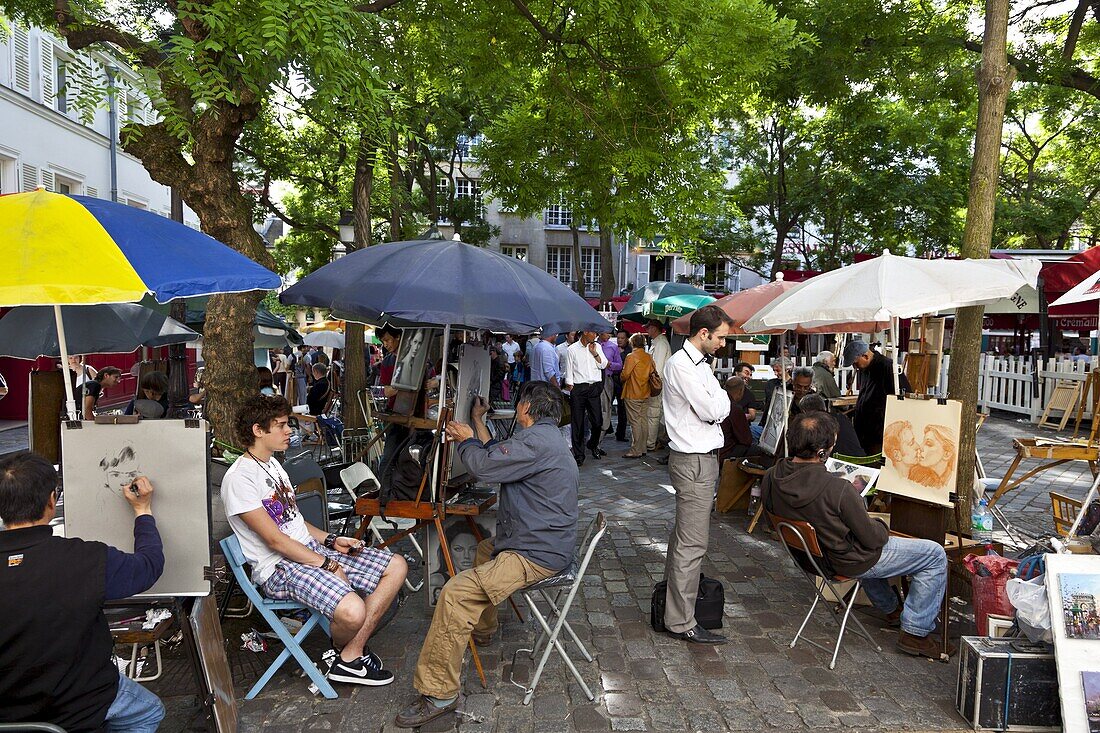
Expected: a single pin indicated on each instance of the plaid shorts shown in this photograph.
(321, 589)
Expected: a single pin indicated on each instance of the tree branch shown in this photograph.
(82, 36)
(377, 6)
(1075, 78)
(265, 200)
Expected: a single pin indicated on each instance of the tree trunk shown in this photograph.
(995, 77)
(578, 269)
(396, 178)
(355, 360)
(607, 265)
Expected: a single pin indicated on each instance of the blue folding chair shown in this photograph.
(292, 644)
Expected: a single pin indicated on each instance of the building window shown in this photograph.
(466, 145)
(590, 265)
(137, 204)
(468, 188)
(67, 186)
(135, 109)
(559, 263)
(512, 250)
(9, 178)
(61, 84)
(558, 215)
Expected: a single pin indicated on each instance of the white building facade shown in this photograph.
(45, 141)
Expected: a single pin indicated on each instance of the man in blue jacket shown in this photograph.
(55, 645)
(536, 537)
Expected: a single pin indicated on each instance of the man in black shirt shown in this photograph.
(317, 397)
(876, 383)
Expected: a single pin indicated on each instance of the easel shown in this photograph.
(1067, 398)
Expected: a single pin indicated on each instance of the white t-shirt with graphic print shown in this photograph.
(248, 485)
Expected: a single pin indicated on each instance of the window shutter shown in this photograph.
(48, 181)
(46, 65)
(21, 49)
(29, 177)
(91, 192)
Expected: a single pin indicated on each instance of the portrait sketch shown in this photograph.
(920, 448)
(99, 464)
(863, 478)
(463, 544)
(412, 356)
(473, 382)
(773, 425)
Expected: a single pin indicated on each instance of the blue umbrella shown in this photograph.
(28, 332)
(440, 283)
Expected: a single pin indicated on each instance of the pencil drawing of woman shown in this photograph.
(939, 451)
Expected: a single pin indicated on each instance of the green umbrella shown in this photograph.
(674, 306)
(657, 290)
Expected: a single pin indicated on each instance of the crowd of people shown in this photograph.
(636, 387)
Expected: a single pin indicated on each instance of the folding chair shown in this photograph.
(800, 539)
(568, 581)
(358, 478)
(292, 644)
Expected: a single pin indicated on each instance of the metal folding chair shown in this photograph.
(800, 539)
(292, 643)
(550, 590)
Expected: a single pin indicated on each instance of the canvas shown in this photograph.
(773, 426)
(920, 447)
(1073, 590)
(412, 356)
(861, 477)
(101, 460)
(463, 544)
(473, 382)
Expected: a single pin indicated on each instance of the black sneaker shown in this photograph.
(366, 670)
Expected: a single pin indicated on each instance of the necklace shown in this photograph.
(277, 480)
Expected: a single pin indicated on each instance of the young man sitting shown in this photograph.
(536, 538)
(292, 559)
(853, 544)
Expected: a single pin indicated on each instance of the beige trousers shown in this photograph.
(693, 477)
(656, 423)
(468, 603)
(637, 414)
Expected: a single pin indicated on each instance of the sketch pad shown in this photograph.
(99, 459)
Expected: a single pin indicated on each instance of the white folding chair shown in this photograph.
(800, 539)
(550, 590)
(358, 478)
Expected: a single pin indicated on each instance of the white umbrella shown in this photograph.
(890, 287)
(1087, 289)
(324, 339)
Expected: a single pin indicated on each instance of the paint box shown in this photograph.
(1008, 685)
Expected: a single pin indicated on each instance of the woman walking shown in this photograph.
(637, 369)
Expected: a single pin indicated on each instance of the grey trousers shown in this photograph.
(694, 476)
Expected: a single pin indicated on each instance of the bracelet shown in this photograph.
(330, 565)
(330, 542)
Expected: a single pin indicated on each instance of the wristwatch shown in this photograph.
(330, 542)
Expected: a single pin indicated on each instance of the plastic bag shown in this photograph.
(990, 573)
(1029, 597)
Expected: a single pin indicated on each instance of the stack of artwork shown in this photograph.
(920, 447)
(1073, 589)
(863, 478)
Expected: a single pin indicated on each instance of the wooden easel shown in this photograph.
(1066, 397)
(1090, 394)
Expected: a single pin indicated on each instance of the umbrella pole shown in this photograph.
(442, 400)
(894, 324)
(70, 401)
(783, 386)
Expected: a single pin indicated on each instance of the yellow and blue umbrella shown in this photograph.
(74, 250)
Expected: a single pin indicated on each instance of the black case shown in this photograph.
(708, 605)
(984, 669)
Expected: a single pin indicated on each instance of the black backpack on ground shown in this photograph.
(402, 476)
(708, 604)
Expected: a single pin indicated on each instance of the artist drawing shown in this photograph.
(412, 356)
(920, 448)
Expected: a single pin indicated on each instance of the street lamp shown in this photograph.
(346, 226)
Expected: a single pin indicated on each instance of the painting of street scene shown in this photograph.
(1080, 592)
(1091, 682)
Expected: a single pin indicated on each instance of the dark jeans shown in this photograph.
(620, 417)
(585, 402)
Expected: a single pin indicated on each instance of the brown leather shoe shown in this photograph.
(423, 711)
(893, 619)
(929, 647)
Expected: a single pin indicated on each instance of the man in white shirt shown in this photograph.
(695, 405)
(510, 347)
(292, 559)
(584, 380)
(660, 350)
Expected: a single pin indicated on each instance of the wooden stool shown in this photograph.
(138, 637)
(758, 475)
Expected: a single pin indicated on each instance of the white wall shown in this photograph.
(42, 146)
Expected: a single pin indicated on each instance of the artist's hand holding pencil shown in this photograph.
(140, 495)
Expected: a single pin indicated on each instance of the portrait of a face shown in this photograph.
(412, 356)
(920, 444)
(120, 469)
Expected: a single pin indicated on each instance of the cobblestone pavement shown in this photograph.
(644, 681)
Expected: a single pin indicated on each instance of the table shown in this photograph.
(1054, 453)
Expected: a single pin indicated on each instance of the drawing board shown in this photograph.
(920, 448)
(773, 424)
(1073, 591)
(473, 382)
(99, 461)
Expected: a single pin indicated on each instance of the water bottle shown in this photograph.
(754, 499)
(981, 523)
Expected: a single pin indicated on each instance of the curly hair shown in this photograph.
(258, 410)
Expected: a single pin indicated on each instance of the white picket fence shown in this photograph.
(1006, 383)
